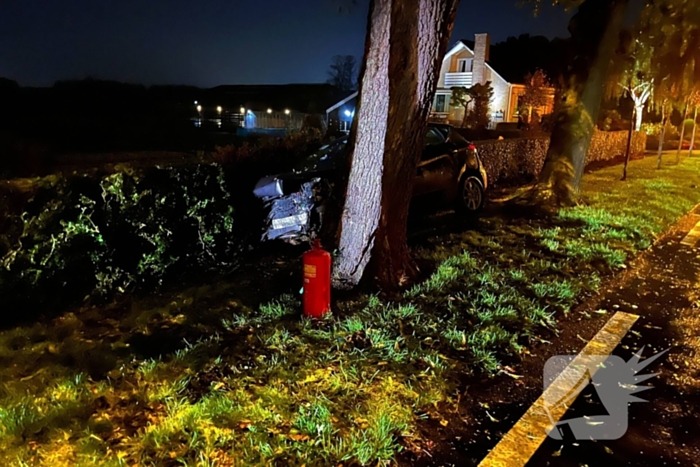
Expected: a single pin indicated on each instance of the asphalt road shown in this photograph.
(665, 431)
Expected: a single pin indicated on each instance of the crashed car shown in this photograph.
(449, 165)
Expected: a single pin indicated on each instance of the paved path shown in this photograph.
(665, 293)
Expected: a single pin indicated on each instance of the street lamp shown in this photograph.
(286, 111)
(199, 108)
(269, 111)
(218, 109)
(242, 110)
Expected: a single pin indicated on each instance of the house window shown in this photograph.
(464, 65)
(440, 103)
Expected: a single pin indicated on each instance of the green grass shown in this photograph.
(217, 376)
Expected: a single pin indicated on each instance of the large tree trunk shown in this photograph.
(692, 138)
(595, 30)
(405, 45)
(680, 143)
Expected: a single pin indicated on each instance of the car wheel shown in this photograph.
(471, 194)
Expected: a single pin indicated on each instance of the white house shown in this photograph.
(463, 66)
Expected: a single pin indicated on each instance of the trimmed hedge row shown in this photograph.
(514, 161)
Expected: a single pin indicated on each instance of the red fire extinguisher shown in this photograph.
(317, 281)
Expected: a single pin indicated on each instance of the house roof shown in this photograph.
(304, 98)
(516, 57)
(464, 43)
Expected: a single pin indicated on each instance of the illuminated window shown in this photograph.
(465, 65)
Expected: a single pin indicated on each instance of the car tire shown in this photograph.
(471, 195)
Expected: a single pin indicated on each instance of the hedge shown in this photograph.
(514, 161)
(94, 237)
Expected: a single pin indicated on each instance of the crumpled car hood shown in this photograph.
(290, 216)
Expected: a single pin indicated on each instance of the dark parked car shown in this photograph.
(449, 165)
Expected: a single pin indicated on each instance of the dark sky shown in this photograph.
(211, 42)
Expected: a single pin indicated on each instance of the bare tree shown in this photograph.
(343, 72)
(406, 42)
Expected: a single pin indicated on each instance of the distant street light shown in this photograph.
(218, 109)
(286, 111)
(195, 102)
(242, 110)
(199, 108)
(269, 111)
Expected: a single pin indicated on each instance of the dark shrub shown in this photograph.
(94, 237)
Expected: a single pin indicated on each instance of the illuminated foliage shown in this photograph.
(475, 101)
(537, 94)
(88, 236)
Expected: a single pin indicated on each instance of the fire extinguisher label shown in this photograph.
(309, 270)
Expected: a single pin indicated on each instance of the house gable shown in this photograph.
(462, 50)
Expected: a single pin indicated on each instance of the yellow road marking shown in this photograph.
(520, 443)
(693, 236)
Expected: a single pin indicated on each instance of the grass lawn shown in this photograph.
(212, 377)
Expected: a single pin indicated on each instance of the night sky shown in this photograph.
(212, 42)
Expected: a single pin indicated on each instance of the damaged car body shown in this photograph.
(294, 202)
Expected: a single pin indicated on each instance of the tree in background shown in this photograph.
(684, 118)
(462, 97)
(640, 95)
(664, 103)
(694, 101)
(475, 100)
(477, 117)
(405, 45)
(672, 31)
(343, 72)
(595, 29)
(630, 76)
(536, 95)
(631, 73)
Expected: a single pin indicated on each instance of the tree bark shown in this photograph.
(664, 120)
(692, 138)
(638, 115)
(595, 30)
(680, 143)
(405, 45)
(629, 145)
(465, 116)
